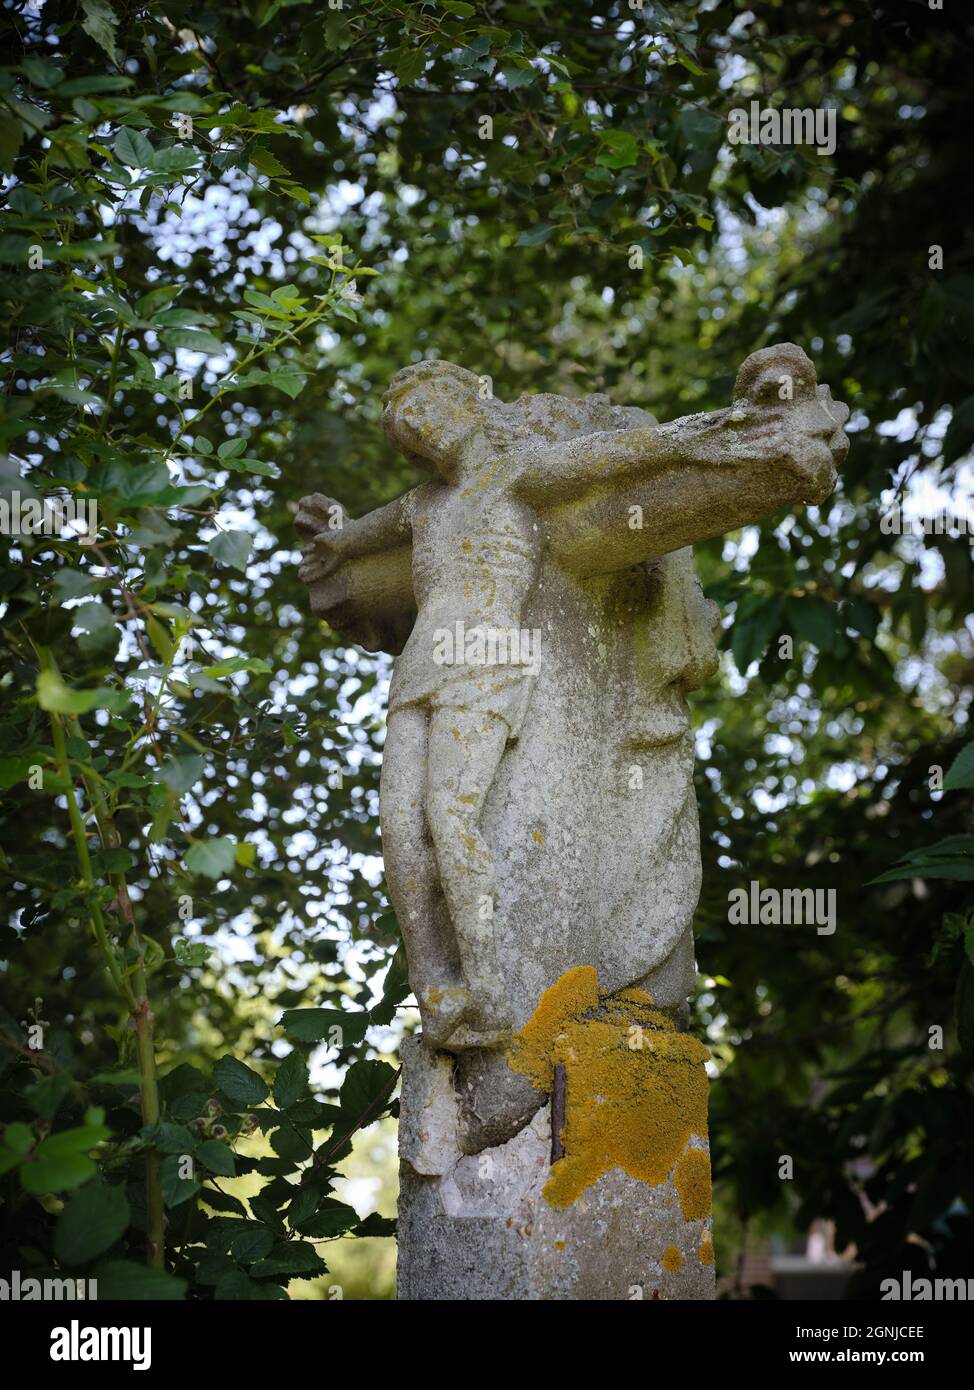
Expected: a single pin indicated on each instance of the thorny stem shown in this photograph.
(134, 993)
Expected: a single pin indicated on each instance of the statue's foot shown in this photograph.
(490, 1007)
(443, 1010)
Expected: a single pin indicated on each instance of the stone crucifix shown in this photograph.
(539, 825)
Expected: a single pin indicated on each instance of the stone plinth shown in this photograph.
(477, 1226)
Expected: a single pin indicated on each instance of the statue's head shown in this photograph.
(436, 413)
(442, 416)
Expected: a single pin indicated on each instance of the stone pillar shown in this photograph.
(623, 1214)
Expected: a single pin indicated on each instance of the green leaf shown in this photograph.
(245, 854)
(169, 1138)
(238, 1082)
(330, 1218)
(231, 448)
(395, 988)
(181, 1081)
(212, 858)
(754, 626)
(193, 340)
(175, 1188)
(291, 1257)
(621, 149)
(232, 548)
(288, 1143)
(961, 772)
(814, 621)
(536, 236)
(315, 1025)
(291, 1081)
(253, 665)
(96, 83)
(93, 617)
(53, 695)
(248, 465)
(701, 129)
(70, 584)
(303, 1205)
(18, 1138)
(175, 159)
(237, 1287)
(191, 953)
(366, 1089)
(519, 76)
(180, 774)
(289, 380)
(123, 1281)
(42, 74)
(56, 1172)
(222, 1201)
(100, 23)
(376, 1225)
(126, 1079)
(78, 1139)
(133, 149)
(91, 1221)
(217, 1157)
(949, 858)
(409, 64)
(251, 1242)
(267, 163)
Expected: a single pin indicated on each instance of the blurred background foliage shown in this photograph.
(597, 233)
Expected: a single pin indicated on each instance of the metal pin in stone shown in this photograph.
(557, 1111)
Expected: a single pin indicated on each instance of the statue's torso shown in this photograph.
(476, 554)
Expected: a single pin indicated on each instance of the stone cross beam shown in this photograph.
(539, 825)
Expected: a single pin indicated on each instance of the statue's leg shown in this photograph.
(412, 875)
(465, 749)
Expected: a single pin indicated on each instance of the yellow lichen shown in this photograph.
(706, 1252)
(692, 1178)
(672, 1259)
(532, 1048)
(635, 996)
(537, 837)
(636, 1089)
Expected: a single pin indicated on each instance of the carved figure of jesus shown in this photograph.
(461, 554)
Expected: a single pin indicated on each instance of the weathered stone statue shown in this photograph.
(538, 819)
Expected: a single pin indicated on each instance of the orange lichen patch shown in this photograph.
(559, 1245)
(672, 1259)
(692, 1178)
(531, 1050)
(635, 996)
(637, 1014)
(635, 1106)
(706, 1252)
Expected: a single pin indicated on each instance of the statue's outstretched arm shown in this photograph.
(617, 499)
(360, 571)
(332, 537)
